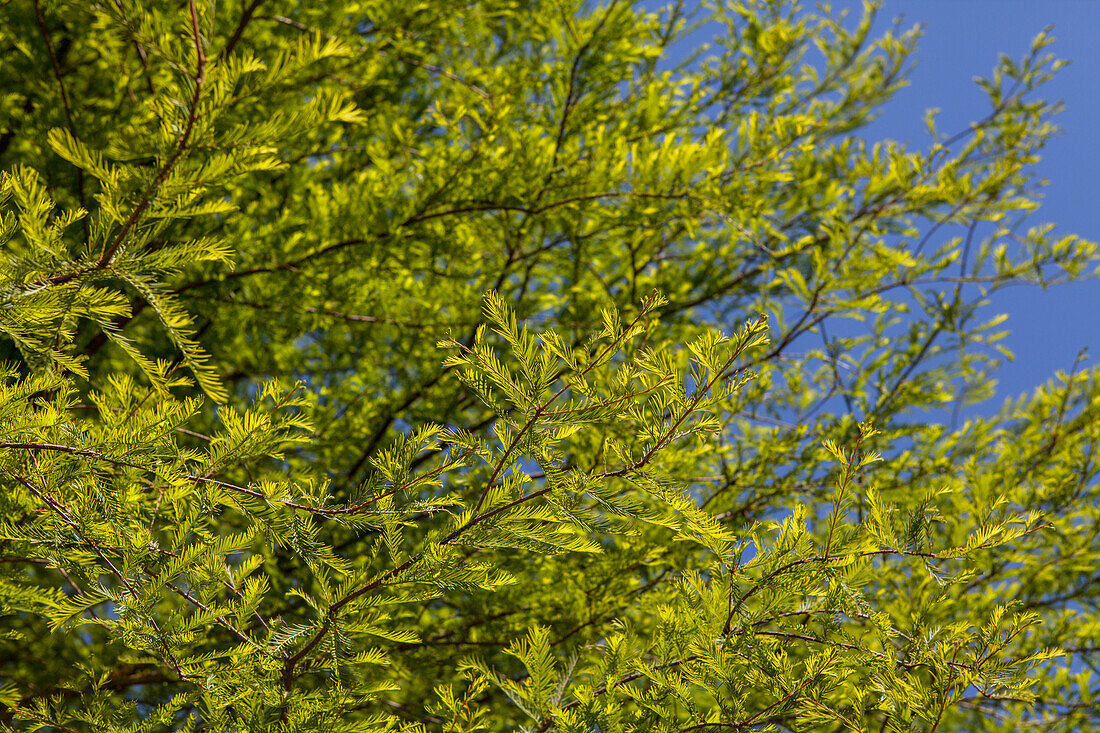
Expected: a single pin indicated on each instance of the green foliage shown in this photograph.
(376, 366)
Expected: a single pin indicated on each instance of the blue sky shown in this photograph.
(963, 39)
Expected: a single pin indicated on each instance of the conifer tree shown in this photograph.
(405, 365)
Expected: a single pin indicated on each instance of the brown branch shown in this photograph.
(181, 147)
(66, 105)
(242, 24)
(453, 210)
(756, 719)
(143, 57)
(670, 434)
(220, 619)
(334, 608)
(618, 683)
(355, 509)
(573, 95)
(62, 512)
(355, 317)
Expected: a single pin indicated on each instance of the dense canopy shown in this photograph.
(524, 365)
